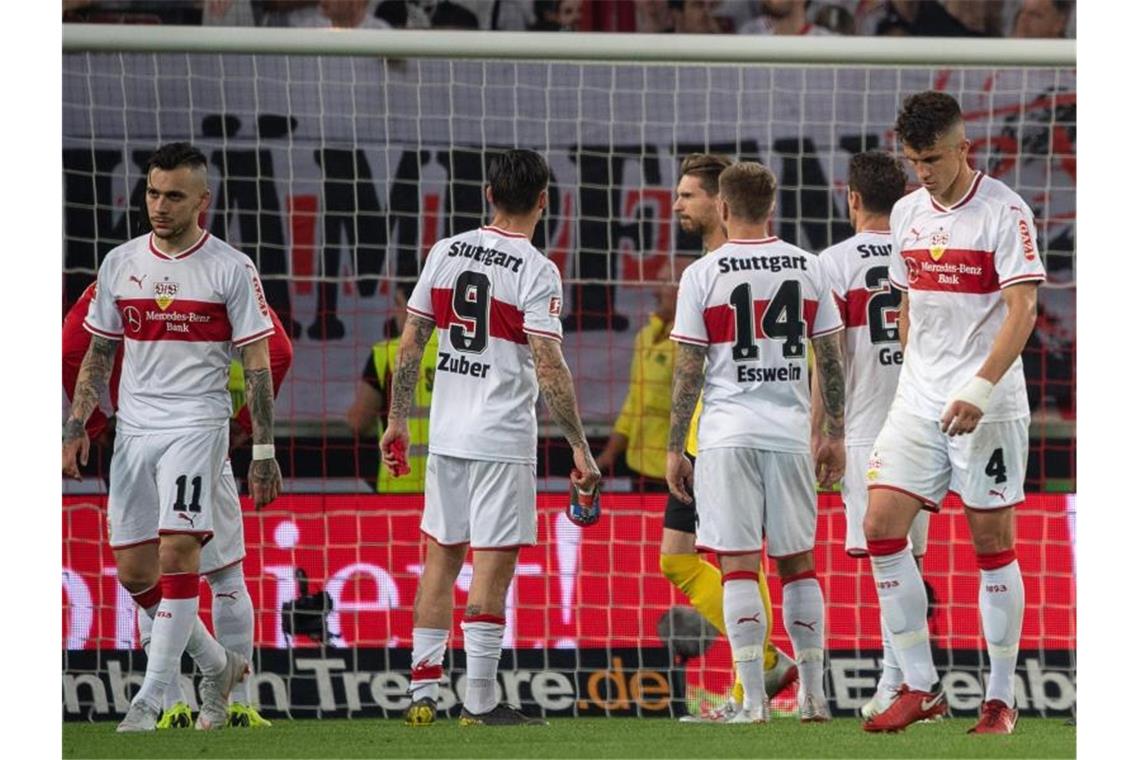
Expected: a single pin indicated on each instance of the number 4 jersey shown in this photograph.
(755, 304)
(486, 290)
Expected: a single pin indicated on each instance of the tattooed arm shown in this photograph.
(688, 379)
(264, 474)
(94, 374)
(417, 332)
(557, 388)
(831, 454)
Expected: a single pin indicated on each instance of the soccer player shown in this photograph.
(221, 557)
(856, 270)
(749, 308)
(698, 580)
(964, 253)
(179, 299)
(496, 301)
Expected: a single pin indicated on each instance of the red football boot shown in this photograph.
(910, 706)
(996, 718)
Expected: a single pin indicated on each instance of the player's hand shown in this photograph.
(830, 461)
(679, 476)
(76, 446)
(264, 481)
(606, 462)
(587, 474)
(394, 447)
(960, 417)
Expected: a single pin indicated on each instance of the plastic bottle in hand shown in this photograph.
(585, 508)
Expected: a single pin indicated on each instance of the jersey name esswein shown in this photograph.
(755, 304)
(953, 263)
(178, 317)
(486, 290)
(857, 271)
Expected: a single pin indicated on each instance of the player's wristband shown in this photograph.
(263, 451)
(977, 392)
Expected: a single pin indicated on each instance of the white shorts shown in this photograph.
(490, 505)
(165, 483)
(228, 546)
(746, 495)
(854, 491)
(986, 467)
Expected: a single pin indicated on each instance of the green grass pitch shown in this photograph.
(574, 738)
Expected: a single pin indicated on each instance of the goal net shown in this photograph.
(336, 174)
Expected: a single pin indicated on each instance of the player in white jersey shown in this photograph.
(496, 301)
(856, 270)
(178, 299)
(749, 308)
(964, 253)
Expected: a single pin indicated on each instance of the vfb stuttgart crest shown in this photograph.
(164, 293)
(938, 242)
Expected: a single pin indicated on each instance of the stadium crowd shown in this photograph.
(920, 18)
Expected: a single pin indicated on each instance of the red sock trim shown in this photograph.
(427, 673)
(149, 598)
(180, 585)
(740, 575)
(806, 575)
(495, 619)
(884, 547)
(997, 559)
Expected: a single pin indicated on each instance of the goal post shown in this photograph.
(337, 158)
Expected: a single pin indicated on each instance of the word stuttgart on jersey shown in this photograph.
(765, 263)
(485, 256)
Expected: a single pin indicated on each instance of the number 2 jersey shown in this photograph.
(177, 317)
(755, 304)
(857, 272)
(486, 290)
(953, 263)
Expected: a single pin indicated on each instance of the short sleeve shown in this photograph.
(1016, 257)
(246, 307)
(542, 304)
(419, 302)
(832, 281)
(897, 265)
(103, 318)
(827, 319)
(689, 323)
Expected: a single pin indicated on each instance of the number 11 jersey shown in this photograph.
(486, 290)
(755, 304)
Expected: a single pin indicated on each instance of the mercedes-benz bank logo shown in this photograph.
(134, 319)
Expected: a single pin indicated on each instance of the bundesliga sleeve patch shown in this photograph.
(555, 306)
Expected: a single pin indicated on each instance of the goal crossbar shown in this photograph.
(585, 46)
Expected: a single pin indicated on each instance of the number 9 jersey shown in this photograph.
(486, 290)
(755, 304)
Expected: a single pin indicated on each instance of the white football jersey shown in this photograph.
(755, 304)
(953, 263)
(857, 271)
(178, 317)
(486, 289)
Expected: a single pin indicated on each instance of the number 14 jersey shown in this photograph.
(486, 290)
(755, 304)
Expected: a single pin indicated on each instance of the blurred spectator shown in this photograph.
(369, 410)
(400, 14)
(345, 14)
(783, 17)
(287, 12)
(653, 16)
(453, 15)
(1043, 19)
(229, 13)
(641, 431)
(835, 18)
(694, 17)
(132, 12)
(557, 16)
(950, 18)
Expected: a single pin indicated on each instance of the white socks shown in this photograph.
(1001, 600)
(892, 676)
(804, 622)
(745, 624)
(902, 601)
(428, 648)
(233, 619)
(483, 643)
(173, 693)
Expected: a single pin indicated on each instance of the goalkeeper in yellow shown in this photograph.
(642, 430)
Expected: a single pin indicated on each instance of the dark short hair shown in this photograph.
(879, 178)
(707, 168)
(173, 155)
(749, 188)
(926, 116)
(516, 178)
